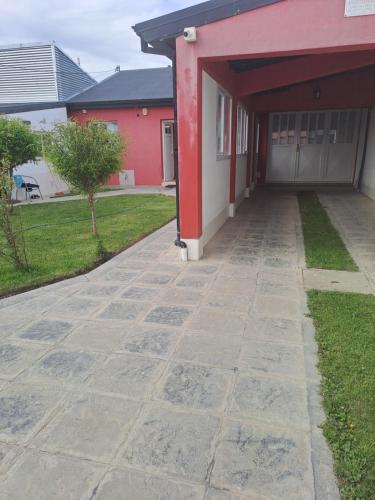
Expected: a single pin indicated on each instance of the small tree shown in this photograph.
(85, 156)
(18, 145)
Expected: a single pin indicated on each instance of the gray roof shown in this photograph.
(39, 73)
(18, 107)
(167, 27)
(129, 88)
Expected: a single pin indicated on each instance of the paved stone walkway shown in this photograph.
(337, 281)
(151, 379)
(354, 217)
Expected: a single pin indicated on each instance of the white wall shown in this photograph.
(49, 182)
(241, 171)
(368, 175)
(42, 119)
(215, 172)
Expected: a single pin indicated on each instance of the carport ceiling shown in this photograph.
(317, 80)
(241, 65)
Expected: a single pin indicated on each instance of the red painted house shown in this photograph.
(139, 104)
(268, 91)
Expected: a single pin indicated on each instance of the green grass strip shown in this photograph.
(324, 249)
(59, 240)
(345, 332)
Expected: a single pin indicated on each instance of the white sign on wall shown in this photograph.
(359, 7)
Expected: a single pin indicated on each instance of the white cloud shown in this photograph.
(98, 32)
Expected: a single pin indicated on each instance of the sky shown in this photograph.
(98, 32)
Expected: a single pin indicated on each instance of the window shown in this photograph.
(342, 127)
(284, 128)
(242, 130)
(223, 124)
(111, 126)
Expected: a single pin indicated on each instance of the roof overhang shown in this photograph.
(144, 103)
(29, 106)
(158, 35)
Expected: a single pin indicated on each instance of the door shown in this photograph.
(314, 146)
(282, 150)
(342, 145)
(168, 163)
(310, 147)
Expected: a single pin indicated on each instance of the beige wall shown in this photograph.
(368, 175)
(215, 172)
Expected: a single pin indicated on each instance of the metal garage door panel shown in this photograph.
(341, 146)
(310, 147)
(340, 163)
(282, 165)
(282, 147)
(309, 164)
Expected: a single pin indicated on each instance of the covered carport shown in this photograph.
(267, 91)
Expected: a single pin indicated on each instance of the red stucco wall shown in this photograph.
(143, 135)
(288, 28)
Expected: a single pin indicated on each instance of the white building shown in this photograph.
(40, 116)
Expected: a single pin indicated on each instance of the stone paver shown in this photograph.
(211, 350)
(168, 315)
(257, 459)
(120, 484)
(97, 425)
(153, 379)
(270, 399)
(46, 331)
(63, 366)
(152, 340)
(179, 444)
(124, 311)
(195, 386)
(337, 281)
(44, 476)
(23, 409)
(15, 358)
(272, 357)
(92, 333)
(127, 375)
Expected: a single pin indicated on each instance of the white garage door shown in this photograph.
(314, 146)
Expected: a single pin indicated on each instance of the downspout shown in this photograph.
(363, 161)
(166, 50)
(178, 242)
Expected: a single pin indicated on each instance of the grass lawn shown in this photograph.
(324, 249)
(60, 242)
(345, 332)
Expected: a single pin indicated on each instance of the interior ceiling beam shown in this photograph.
(300, 70)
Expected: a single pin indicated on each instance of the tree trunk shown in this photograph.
(10, 201)
(91, 201)
(11, 237)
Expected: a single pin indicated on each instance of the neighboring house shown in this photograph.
(39, 116)
(35, 81)
(139, 104)
(268, 91)
(39, 73)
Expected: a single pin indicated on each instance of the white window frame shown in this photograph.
(242, 130)
(223, 127)
(109, 123)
